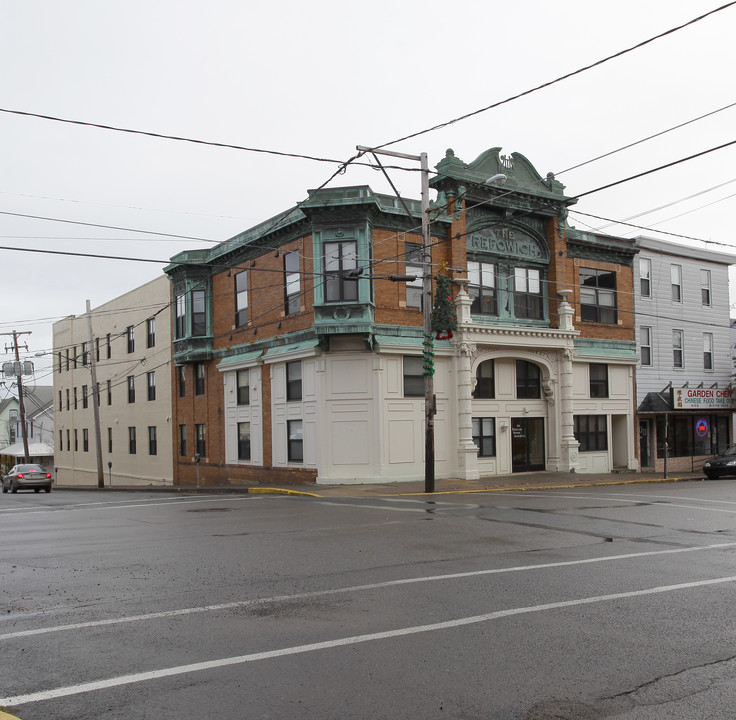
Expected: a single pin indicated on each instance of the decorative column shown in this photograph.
(568, 444)
(467, 450)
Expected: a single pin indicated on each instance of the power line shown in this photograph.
(559, 79)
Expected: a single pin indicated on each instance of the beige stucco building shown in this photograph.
(131, 354)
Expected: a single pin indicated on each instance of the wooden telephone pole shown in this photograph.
(19, 380)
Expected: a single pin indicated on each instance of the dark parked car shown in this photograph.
(27, 477)
(724, 464)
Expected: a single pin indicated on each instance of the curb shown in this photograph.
(275, 491)
(525, 488)
(7, 716)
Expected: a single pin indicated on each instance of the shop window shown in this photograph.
(598, 296)
(484, 436)
(528, 380)
(591, 432)
(485, 384)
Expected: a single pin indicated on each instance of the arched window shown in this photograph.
(485, 387)
(528, 380)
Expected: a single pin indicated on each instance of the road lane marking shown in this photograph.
(134, 678)
(111, 506)
(350, 589)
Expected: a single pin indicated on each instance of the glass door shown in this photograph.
(527, 444)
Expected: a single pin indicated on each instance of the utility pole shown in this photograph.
(95, 401)
(21, 403)
(426, 312)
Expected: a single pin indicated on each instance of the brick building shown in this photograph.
(298, 358)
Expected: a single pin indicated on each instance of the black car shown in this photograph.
(27, 477)
(724, 464)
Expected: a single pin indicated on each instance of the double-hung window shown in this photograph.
(645, 346)
(151, 382)
(244, 441)
(645, 277)
(199, 313)
(152, 440)
(484, 436)
(341, 261)
(294, 380)
(598, 380)
(598, 296)
(130, 334)
(200, 438)
(678, 358)
(482, 288)
(413, 376)
(180, 316)
(242, 378)
(414, 257)
(707, 351)
(200, 376)
(528, 301)
(151, 332)
(131, 388)
(241, 299)
(292, 283)
(295, 449)
(705, 294)
(131, 441)
(676, 280)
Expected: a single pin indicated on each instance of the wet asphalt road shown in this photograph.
(570, 604)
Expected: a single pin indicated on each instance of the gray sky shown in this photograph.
(319, 78)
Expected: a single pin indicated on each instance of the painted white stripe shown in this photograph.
(340, 642)
(112, 506)
(632, 498)
(352, 589)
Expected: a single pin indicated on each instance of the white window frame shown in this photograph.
(678, 349)
(676, 281)
(706, 293)
(707, 351)
(645, 276)
(645, 342)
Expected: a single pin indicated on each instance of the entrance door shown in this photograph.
(527, 444)
(644, 442)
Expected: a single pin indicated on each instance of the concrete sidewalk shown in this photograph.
(520, 481)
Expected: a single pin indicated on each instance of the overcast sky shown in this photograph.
(317, 79)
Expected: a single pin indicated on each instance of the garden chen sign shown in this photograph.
(702, 398)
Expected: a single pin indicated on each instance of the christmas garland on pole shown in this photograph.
(444, 318)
